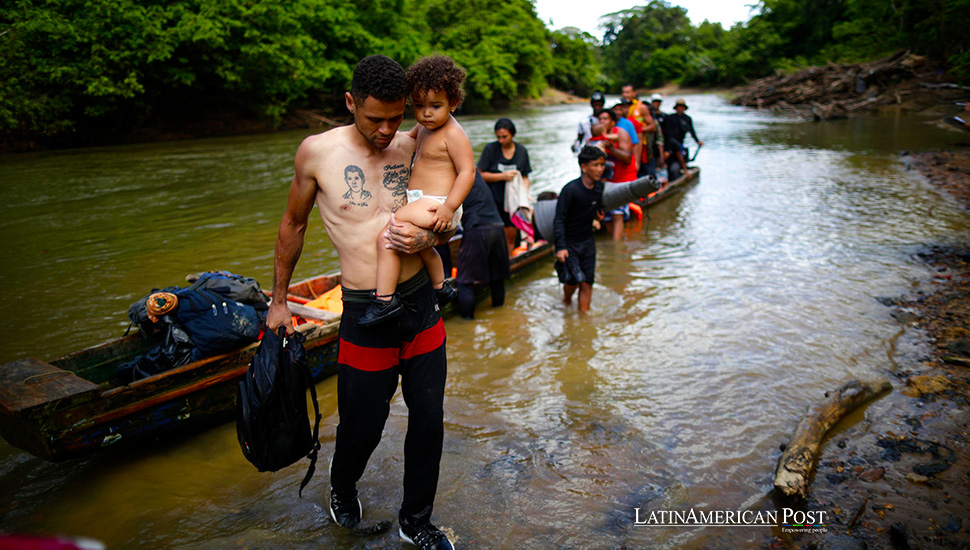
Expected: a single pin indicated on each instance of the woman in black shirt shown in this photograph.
(499, 162)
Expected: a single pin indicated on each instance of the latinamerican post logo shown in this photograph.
(788, 519)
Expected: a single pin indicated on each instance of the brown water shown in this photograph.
(714, 324)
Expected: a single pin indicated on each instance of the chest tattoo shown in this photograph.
(354, 178)
(396, 181)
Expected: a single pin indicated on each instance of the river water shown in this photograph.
(715, 323)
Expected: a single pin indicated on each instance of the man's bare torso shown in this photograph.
(434, 169)
(358, 188)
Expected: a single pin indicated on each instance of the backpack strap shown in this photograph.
(312, 455)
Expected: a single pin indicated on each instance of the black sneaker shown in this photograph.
(574, 275)
(425, 537)
(346, 511)
(445, 294)
(380, 310)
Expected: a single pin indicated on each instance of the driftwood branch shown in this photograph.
(796, 463)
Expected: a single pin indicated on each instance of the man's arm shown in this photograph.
(690, 125)
(289, 241)
(649, 125)
(460, 151)
(623, 152)
(410, 239)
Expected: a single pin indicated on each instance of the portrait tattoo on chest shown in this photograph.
(396, 181)
(354, 178)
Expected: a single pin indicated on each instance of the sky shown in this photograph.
(585, 14)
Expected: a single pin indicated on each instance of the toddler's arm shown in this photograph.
(460, 151)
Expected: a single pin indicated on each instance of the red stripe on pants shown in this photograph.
(364, 358)
(377, 359)
(425, 341)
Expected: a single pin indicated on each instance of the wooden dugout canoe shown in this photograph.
(73, 406)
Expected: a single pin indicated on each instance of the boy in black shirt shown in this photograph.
(580, 202)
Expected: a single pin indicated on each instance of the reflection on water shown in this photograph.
(715, 322)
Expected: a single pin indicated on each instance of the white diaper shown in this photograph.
(415, 194)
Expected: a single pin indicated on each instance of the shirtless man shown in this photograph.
(640, 112)
(370, 360)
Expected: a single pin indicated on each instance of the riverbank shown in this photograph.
(901, 81)
(900, 477)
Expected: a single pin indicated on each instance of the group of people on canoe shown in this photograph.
(387, 199)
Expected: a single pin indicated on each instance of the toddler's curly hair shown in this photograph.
(436, 73)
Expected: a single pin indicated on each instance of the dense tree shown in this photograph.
(575, 66)
(654, 43)
(72, 67)
(647, 45)
(78, 67)
(503, 46)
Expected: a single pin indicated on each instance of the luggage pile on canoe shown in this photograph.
(219, 312)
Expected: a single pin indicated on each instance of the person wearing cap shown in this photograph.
(676, 128)
(597, 101)
(640, 112)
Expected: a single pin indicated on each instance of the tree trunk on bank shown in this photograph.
(796, 463)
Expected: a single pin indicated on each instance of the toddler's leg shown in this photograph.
(388, 269)
(436, 269)
(436, 272)
(384, 303)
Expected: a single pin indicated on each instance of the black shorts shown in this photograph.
(585, 252)
(483, 256)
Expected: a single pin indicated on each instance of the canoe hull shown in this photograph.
(90, 414)
(69, 407)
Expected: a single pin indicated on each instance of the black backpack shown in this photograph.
(271, 413)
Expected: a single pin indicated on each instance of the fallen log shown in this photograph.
(796, 463)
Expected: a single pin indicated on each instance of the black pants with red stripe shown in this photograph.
(369, 362)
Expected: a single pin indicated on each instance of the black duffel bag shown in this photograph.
(271, 413)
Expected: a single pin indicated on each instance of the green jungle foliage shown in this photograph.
(656, 43)
(74, 68)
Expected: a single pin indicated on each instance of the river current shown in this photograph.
(715, 322)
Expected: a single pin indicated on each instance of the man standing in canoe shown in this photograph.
(370, 359)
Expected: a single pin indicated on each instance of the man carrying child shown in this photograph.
(371, 360)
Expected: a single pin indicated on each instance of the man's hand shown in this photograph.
(510, 175)
(408, 238)
(279, 315)
(561, 255)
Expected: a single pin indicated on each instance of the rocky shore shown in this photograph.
(898, 477)
(901, 81)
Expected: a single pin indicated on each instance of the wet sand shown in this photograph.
(897, 474)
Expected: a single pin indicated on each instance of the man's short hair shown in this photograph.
(436, 73)
(351, 168)
(611, 112)
(589, 154)
(378, 76)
